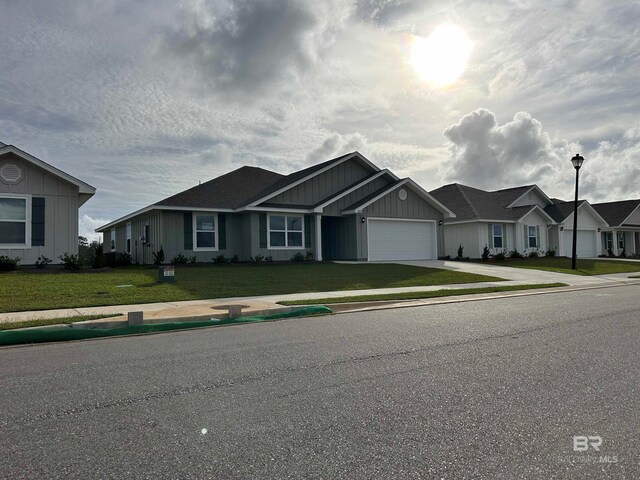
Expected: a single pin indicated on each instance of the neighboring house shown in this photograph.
(343, 209)
(502, 220)
(521, 218)
(38, 207)
(623, 232)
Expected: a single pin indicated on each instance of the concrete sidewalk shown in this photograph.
(267, 304)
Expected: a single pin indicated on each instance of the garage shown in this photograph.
(586, 243)
(401, 239)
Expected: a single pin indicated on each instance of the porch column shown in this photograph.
(319, 237)
(633, 243)
(615, 243)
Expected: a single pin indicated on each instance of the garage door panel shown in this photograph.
(400, 240)
(586, 243)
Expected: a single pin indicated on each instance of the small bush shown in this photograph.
(298, 257)
(269, 259)
(485, 253)
(533, 254)
(235, 259)
(610, 252)
(257, 259)
(623, 254)
(158, 257)
(499, 257)
(220, 259)
(42, 261)
(98, 258)
(551, 252)
(309, 256)
(179, 259)
(71, 261)
(460, 252)
(515, 254)
(192, 259)
(447, 257)
(126, 259)
(8, 264)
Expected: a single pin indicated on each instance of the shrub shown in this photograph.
(623, 253)
(499, 257)
(179, 259)
(485, 253)
(43, 261)
(610, 252)
(193, 259)
(125, 259)
(298, 257)
(269, 259)
(158, 257)
(257, 259)
(551, 252)
(71, 261)
(98, 257)
(220, 259)
(533, 254)
(515, 254)
(8, 264)
(309, 256)
(460, 252)
(235, 259)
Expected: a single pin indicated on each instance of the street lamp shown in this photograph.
(577, 163)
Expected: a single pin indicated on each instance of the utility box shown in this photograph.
(166, 275)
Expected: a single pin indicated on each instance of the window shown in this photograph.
(286, 231)
(532, 234)
(14, 221)
(608, 240)
(113, 239)
(497, 235)
(620, 241)
(128, 238)
(205, 232)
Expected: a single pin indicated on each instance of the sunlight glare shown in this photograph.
(441, 58)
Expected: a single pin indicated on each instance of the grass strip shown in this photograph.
(61, 334)
(448, 292)
(43, 322)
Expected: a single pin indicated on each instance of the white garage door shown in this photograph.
(586, 243)
(401, 240)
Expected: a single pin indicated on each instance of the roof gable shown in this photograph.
(615, 213)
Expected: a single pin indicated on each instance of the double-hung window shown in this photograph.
(205, 232)
(286, 231)
(498, 235)
(620, 241)
(532, 236)
(128, 237)
(14, 222)
(113, 239)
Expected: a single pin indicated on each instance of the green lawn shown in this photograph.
(418, 295)
(21, 290)
(43, 322)
(563, 265)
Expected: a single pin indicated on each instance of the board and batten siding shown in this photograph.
(281, 254)
(61, 210)
(336, 207)
(534, 218)
(324, 185)
(531, 198)
(140, 252)
(467, 235)
(339, 237)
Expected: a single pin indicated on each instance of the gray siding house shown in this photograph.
(38, 207)
(623, 230)
(344, 209)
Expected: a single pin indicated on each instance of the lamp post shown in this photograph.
(577, 163)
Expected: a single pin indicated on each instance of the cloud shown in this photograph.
(87, 226)
(245, 47)
(336, 145)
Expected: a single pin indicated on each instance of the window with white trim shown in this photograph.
(128, 237)
(14, 221)
(498, 235)
(113, 239)
(532, 236)
(205, 233)
(608, 240)
(286, 231)
(620, 241)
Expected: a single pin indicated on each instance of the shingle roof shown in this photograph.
(616, 212)
(372, 195)
(470, 203)
(561, 210)
(232, 190)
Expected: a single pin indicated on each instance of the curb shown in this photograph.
(67, 333)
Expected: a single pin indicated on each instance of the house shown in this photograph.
(623, 232)
(520, 218)
(38, 207)
(344, 209)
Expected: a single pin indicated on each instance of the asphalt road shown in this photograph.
(487, 389)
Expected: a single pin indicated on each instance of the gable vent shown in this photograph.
(10, 173)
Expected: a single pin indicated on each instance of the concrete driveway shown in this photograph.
(524, 275)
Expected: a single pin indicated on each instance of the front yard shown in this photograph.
(563, 265)
(24, 290)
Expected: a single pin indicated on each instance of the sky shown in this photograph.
(145, 99)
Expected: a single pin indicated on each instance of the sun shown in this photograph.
(441, 58)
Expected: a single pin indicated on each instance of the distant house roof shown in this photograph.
(615, 213)
(470, 203)
(232, 190)
(561, 210)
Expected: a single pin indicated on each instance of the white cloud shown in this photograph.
(88, 225)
